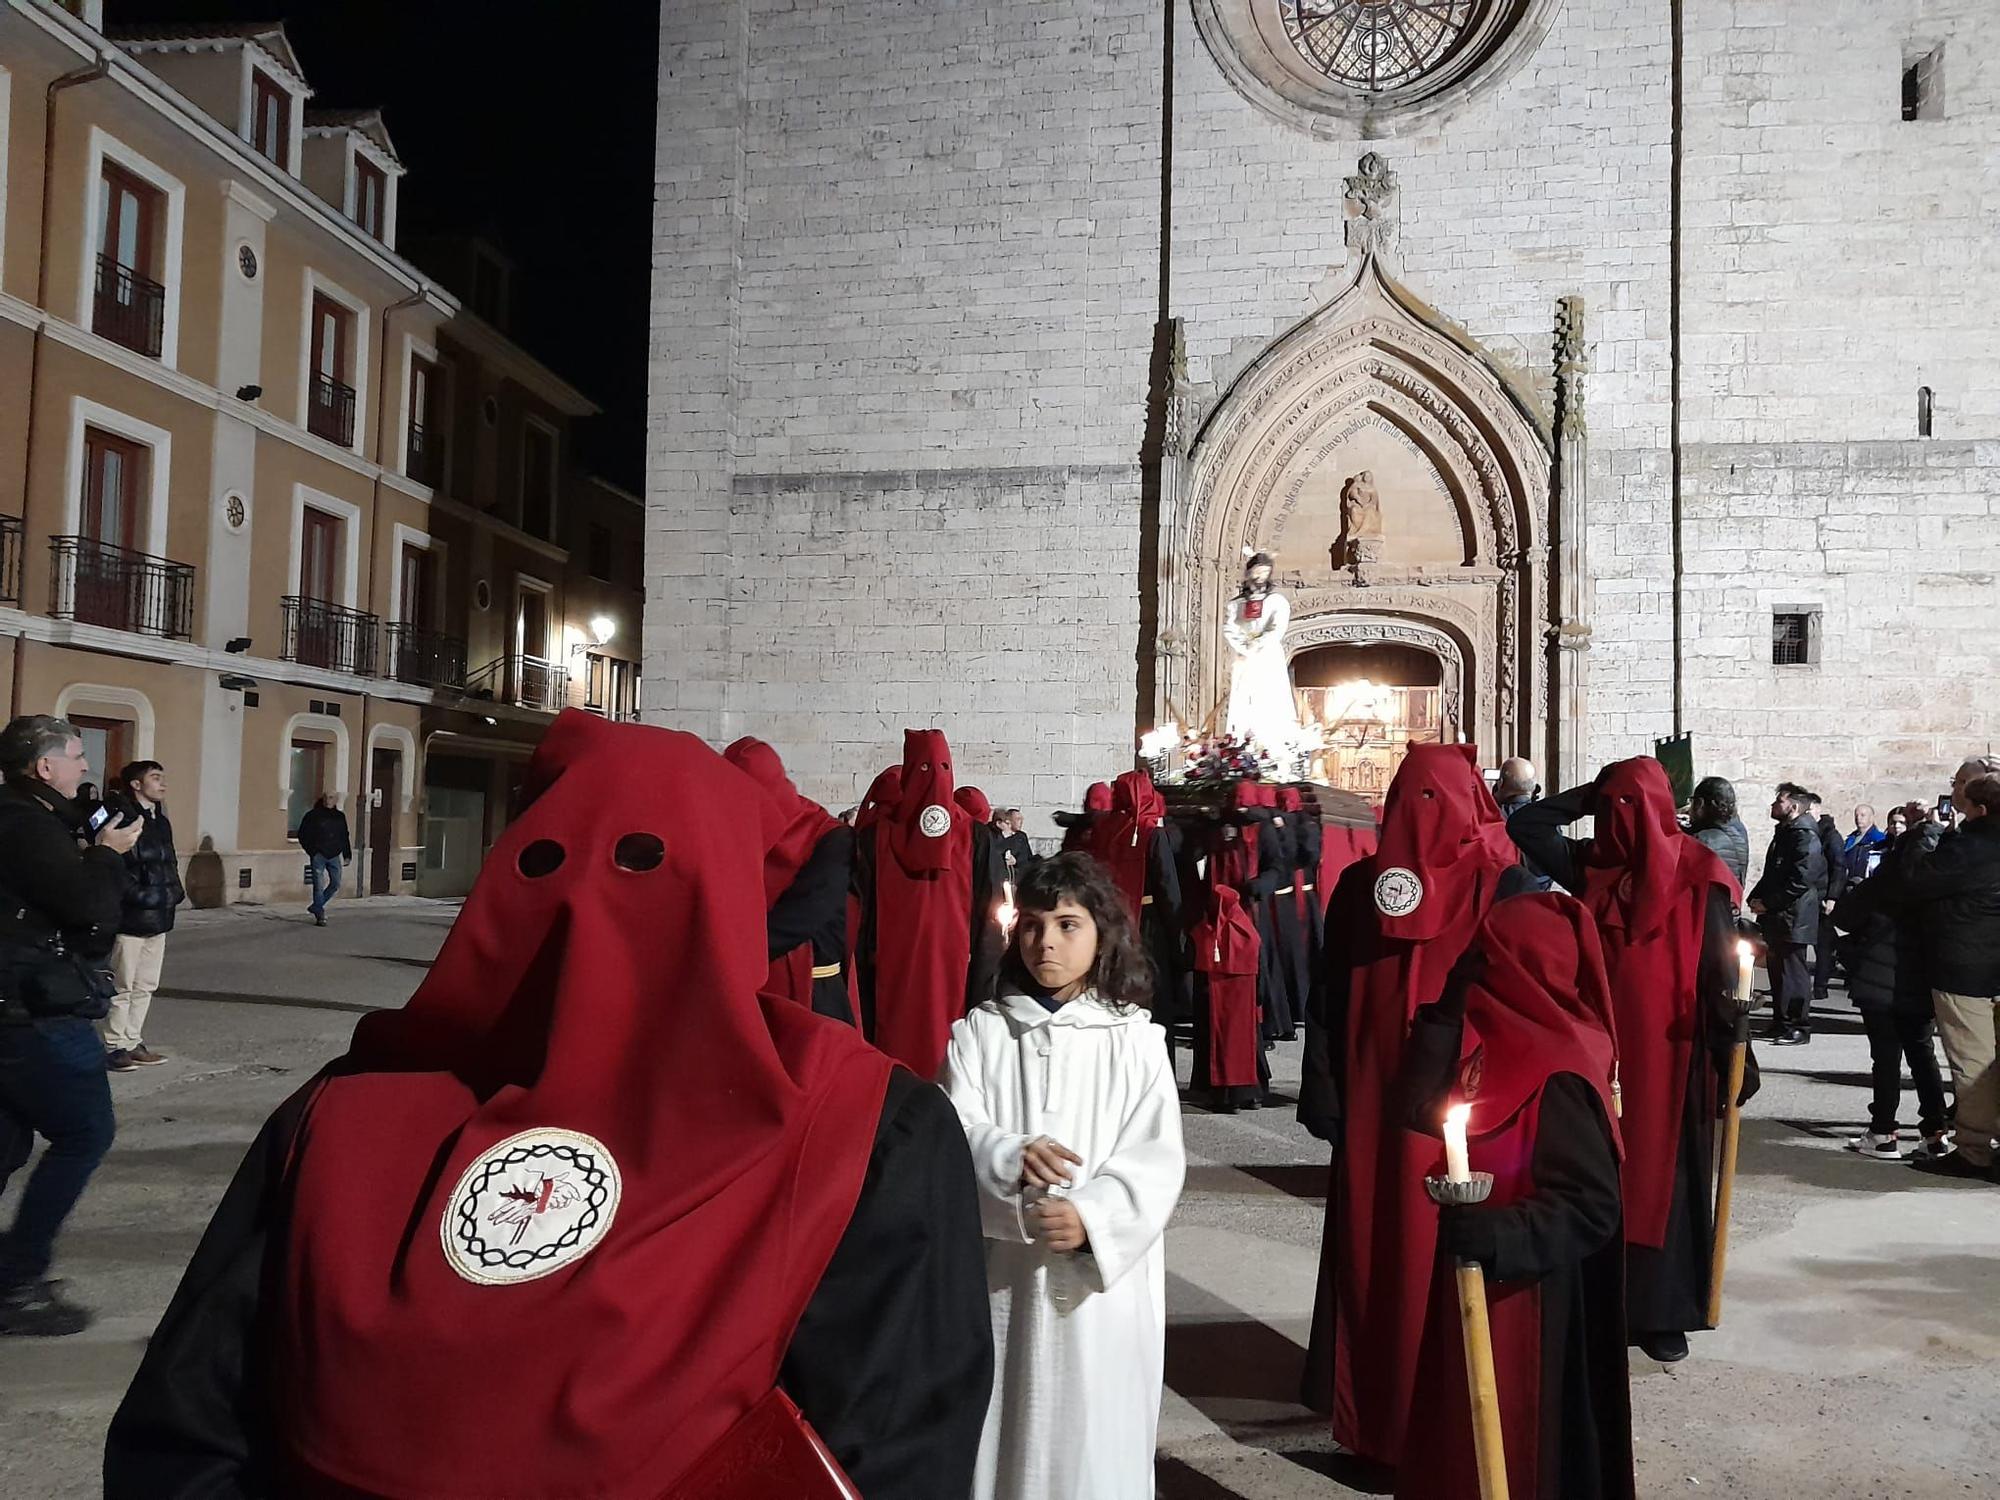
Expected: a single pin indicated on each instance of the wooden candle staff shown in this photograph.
(1461, 1185)
(1732, 1127)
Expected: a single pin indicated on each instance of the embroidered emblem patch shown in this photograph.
(1398, 892)
(934, 822)
(532, 1204)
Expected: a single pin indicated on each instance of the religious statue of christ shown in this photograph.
(1261, 706)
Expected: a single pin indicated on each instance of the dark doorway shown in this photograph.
(385, 776)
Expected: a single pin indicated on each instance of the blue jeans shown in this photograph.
(325, 881)
(52, 1084)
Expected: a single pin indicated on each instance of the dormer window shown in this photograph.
(270, 119)
(371, 197)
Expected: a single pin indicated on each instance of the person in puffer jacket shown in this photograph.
(152, 891)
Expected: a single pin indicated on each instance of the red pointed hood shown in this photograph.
(1097, 797)
(1441, 832)
(927, 825)
(806, 822)
(1542, 1007)
(589, 1043)
(883, 793)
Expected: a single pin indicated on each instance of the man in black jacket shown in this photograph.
(324, 842)
(152, 891)
(1789, 901)
(1834, 846)
(59, 906)
(1955, 890)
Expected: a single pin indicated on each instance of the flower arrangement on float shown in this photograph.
(1224, 757)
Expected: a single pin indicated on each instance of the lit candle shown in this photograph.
(1745, 964)
(1457, 1168)
(1005, 912)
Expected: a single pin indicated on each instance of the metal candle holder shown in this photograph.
(1477, 1188)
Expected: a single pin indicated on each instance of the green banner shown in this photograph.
(1677, 755)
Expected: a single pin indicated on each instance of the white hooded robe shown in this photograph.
(1079, 1340)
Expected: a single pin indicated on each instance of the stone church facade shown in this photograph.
(986, 337)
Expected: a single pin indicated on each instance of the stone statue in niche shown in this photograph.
(1359, 545)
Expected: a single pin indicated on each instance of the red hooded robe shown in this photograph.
(552, 1223)
(1647, 884)
(923, 909)
(1226, 949)
(1121, 839)
(1541, 1007)
(1443, 849)
(806, 823)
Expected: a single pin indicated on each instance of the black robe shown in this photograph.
(892, 1362)
(1566, 1235)
(813, 910)
(1260, 899)
(1666, 1288)
(1163, 928)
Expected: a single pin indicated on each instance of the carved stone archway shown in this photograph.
(1375, 377)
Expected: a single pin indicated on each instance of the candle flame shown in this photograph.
(1743, 949)
(1458, 1114)
(1005, 914)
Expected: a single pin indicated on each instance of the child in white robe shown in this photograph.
(1066, 1091)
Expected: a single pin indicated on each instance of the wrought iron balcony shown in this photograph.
(330, 411)
(96, 583)
(130, 309)
(10, 559)
(424, 658)
(426, 455)
(525, 681)
(319, 634)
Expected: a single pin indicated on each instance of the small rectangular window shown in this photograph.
(371, 198)
(1923, 84)
(538, 481)
(270, 120)
(1795, 636)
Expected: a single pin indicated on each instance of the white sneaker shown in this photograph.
(1879, 1147)
(1933, 1147)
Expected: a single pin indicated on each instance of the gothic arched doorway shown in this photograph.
(1401, 481)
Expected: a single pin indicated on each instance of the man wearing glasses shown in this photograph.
(59, 911)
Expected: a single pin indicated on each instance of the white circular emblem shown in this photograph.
(934, 822)
(532, 1204)
(1398, 892)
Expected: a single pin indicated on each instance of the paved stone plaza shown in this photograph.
(1856, 1362)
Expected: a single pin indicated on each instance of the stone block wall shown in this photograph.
(1836, 258)
(943, 247)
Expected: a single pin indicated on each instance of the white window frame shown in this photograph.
(314, 282)
(327, 723)
(396, 737)
(90, 695)
(529, 419)
(103, 147)
(257, 60)
(415, 349)
(528, 583)
(83, 413)
(408, 536)
(358, 145)
(349, 516)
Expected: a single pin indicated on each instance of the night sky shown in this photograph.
(530, 123)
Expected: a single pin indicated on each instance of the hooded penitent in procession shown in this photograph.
(564, 1220)
(1396, 923)
(1665, 907)
(1141, 851)
(1522, 1038)
(924, 947)
(806, 877)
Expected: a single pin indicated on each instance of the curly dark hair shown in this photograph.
(1120, 978)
